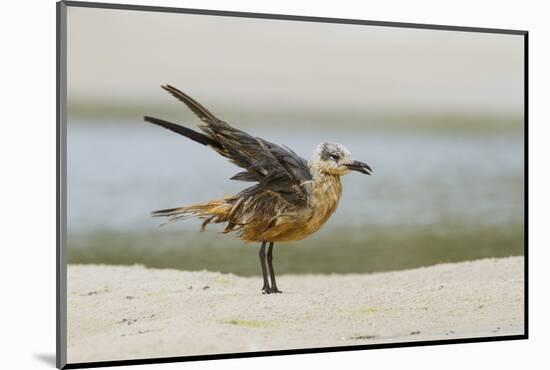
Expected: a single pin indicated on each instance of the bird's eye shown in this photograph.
(335, 156)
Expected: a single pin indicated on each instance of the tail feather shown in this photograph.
(216, 211)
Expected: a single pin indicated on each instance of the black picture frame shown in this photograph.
(61, 188)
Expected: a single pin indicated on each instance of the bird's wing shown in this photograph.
(275, 168)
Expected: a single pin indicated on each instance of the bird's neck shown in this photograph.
(328, 183)
(319, 176)
(327, 190)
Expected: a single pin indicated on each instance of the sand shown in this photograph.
(128, 312)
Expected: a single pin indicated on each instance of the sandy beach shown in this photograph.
(128, 312)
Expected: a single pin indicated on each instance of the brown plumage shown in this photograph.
(292, 197)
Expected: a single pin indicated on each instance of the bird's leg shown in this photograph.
(273, 288)
(265, 288)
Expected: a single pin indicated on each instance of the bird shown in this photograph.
(290, 198)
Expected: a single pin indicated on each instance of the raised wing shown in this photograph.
(275, 168)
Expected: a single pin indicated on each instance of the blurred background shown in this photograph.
(437, 114)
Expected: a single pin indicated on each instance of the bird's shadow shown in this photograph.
(47, 358)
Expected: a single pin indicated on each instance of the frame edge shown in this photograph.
(61, 266)
(288, 17)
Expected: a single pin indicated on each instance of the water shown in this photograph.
(433, 197)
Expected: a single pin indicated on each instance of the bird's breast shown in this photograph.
(298, 223)
(325, 196)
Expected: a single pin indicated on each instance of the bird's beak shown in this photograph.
(359, 166)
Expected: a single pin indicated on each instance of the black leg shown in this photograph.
(271, 271)
(265, 288)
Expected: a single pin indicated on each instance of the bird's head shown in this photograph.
(335, 159)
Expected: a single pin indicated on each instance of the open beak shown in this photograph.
(359, 166)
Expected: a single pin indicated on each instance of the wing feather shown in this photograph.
(276, 168)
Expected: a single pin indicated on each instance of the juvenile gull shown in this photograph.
(291, 198)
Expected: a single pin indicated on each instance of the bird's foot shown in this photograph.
(270, 290)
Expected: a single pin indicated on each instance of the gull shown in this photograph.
(291, 198)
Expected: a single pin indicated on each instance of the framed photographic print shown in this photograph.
(235, 184)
